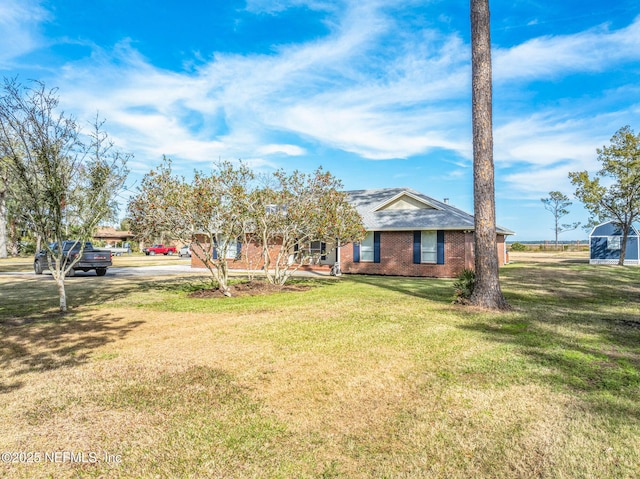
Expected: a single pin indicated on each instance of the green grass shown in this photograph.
(361, 377)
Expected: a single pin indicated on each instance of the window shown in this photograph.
(428, 247)
(228, 248)
(272, 209)
(315, 251)
(315, 248)
(614, 243)
(366, 248)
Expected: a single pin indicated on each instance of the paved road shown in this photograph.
(130, 271)
(134, 271)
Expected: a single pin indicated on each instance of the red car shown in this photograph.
(159, 249)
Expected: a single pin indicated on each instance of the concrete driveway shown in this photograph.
(142, 271)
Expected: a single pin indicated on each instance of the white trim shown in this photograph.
(369, 249)
(591, 235)
(400, 195)
(614, 261)
(429, 248)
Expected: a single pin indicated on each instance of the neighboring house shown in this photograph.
(112, 236)
(408, 234)
(605, 244)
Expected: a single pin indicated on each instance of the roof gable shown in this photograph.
(404, 209)
(611, 228)
(405, 200)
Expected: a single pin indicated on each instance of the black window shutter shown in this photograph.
(417, 243)
(376, 246)
(440, 246)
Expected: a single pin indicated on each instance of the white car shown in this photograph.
(185, 251)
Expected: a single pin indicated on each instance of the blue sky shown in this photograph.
(375, 91)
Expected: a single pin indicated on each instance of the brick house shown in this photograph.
(411, 234)
(408, 234)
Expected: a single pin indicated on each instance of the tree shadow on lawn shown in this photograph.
(434, 289)
(30, 299)
(35, 336)
(579, 329)
(66, 341)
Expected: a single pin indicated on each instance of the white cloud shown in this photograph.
(19, 21)
(290, 150)
(367, 88)
(552, 56)
(322, 90)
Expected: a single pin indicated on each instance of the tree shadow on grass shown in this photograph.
(35, 336)
(578, 329)
(29, 299)
(68, 341)
(605, 374)
(434, 289)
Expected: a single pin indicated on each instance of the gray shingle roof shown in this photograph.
(441, 217)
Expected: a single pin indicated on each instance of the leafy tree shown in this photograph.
(296, 210)
(209, 213)
(149, 211)
(220, 211)
(620, 201)
(487, 292)
(557, 204)
(60, 178)
(13, 226)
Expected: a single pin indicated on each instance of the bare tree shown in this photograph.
(557, 204)
(487, 292)
(58, 179)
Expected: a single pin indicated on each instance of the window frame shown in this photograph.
(367, 247)
(614, 243)
(429, 246)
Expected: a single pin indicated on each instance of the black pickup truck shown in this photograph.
(91, 258)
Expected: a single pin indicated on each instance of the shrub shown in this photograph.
(517, 247)
(463, 286)
(26, 248)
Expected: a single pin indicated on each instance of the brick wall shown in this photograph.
(251, 259)
(396, 256)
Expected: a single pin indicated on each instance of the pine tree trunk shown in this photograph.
(487, 292)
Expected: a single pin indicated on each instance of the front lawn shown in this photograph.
(358, 377)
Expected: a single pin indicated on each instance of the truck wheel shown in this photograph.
(101, 271)
(37, 267)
